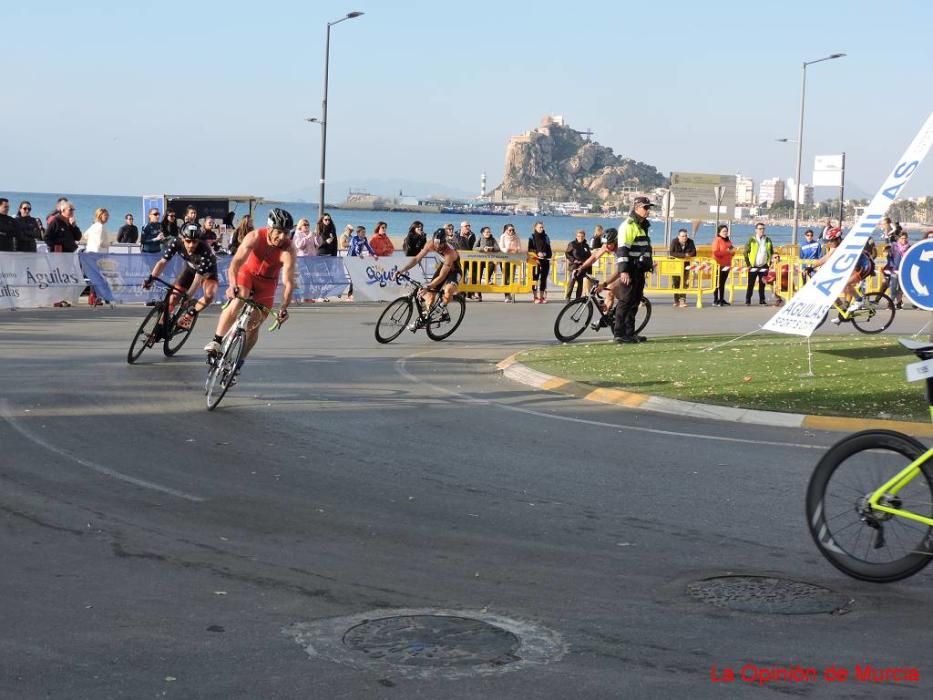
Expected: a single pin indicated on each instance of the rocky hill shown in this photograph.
(556, 162)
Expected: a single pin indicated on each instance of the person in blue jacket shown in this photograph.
(810, 249)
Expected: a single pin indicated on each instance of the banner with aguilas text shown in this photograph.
(802, 314)
(32, 280)
(375, 279)
(119, 278)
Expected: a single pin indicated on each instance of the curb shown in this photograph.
(516, 371)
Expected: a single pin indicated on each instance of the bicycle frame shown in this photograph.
(894, 485)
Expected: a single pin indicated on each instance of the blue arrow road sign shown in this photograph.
(916, 274)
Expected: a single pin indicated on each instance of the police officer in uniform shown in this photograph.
(634, 262)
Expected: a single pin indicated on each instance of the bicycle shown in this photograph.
(439, 322)
(874, 314)
(574, 318)
(225, 365)
(161, 316)
(869, 502)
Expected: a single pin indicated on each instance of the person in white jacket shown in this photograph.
(509, 243)
(97, 238)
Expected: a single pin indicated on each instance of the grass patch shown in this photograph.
(856, 376)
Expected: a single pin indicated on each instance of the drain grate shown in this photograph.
(764, 594)
(433, 640)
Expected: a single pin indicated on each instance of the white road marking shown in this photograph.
(7, 415)
(400, 368)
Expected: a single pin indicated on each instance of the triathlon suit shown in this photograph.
(865, 266)
(453, 276)
(260, 272)
(201, 261)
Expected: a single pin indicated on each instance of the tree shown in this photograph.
(782, 208)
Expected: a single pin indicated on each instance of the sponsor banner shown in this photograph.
(31, 280)
(374, 279)
(805, 310)
(119, 278)
(320, 276)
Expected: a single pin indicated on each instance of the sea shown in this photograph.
(559, 228)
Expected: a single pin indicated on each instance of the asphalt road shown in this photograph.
(153, 549)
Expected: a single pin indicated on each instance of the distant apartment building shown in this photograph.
(806, 192)
(772, 190)
(744, 190)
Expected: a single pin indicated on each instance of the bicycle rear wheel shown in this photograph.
(868, 544)
(573, 320)
(642, 315)
(224, 369)
(877, 315)
(145, 335)
(178, 335)
(393, 320)
(444, 320)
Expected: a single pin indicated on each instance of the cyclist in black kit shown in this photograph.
(200, 269)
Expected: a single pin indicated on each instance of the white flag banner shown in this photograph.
(375, 279)
(31, 280)
(802, 314)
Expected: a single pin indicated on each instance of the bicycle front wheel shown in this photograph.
(444, 320)
(178, 335)
(642, 315)
(224, 369)
(145, 335)
(573, 320)
(864, 543)
(877, 315)
(394, 320)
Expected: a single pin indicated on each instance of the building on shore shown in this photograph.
(744, 191)
(772, 190)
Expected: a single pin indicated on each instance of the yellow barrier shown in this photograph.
(514, 274)
(496, 273)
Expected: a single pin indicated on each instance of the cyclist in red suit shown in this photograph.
(256, 267)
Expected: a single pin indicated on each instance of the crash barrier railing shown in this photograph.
(42, 279)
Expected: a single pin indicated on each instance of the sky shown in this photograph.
(209, 97)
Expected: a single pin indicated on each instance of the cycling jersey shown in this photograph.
(200, 261)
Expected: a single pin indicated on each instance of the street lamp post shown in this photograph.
(323, 120)
(803, 94)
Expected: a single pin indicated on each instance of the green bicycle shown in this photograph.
(870, 499)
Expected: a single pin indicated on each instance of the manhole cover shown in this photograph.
(429, 642)
(763, 594)
(433, 640)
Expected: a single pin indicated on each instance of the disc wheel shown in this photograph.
(178, 335)
(145, 335)
(877, 316)
(573, 320)
(642, 315)
(444, 320)
(864, 543)
(220, 378)
(393, 320)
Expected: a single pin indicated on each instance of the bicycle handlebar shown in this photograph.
(168, 285)
(261, 308)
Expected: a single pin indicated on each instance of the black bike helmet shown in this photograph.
(611, 236)
(440, 235)
(190, 232)
(280, 219)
